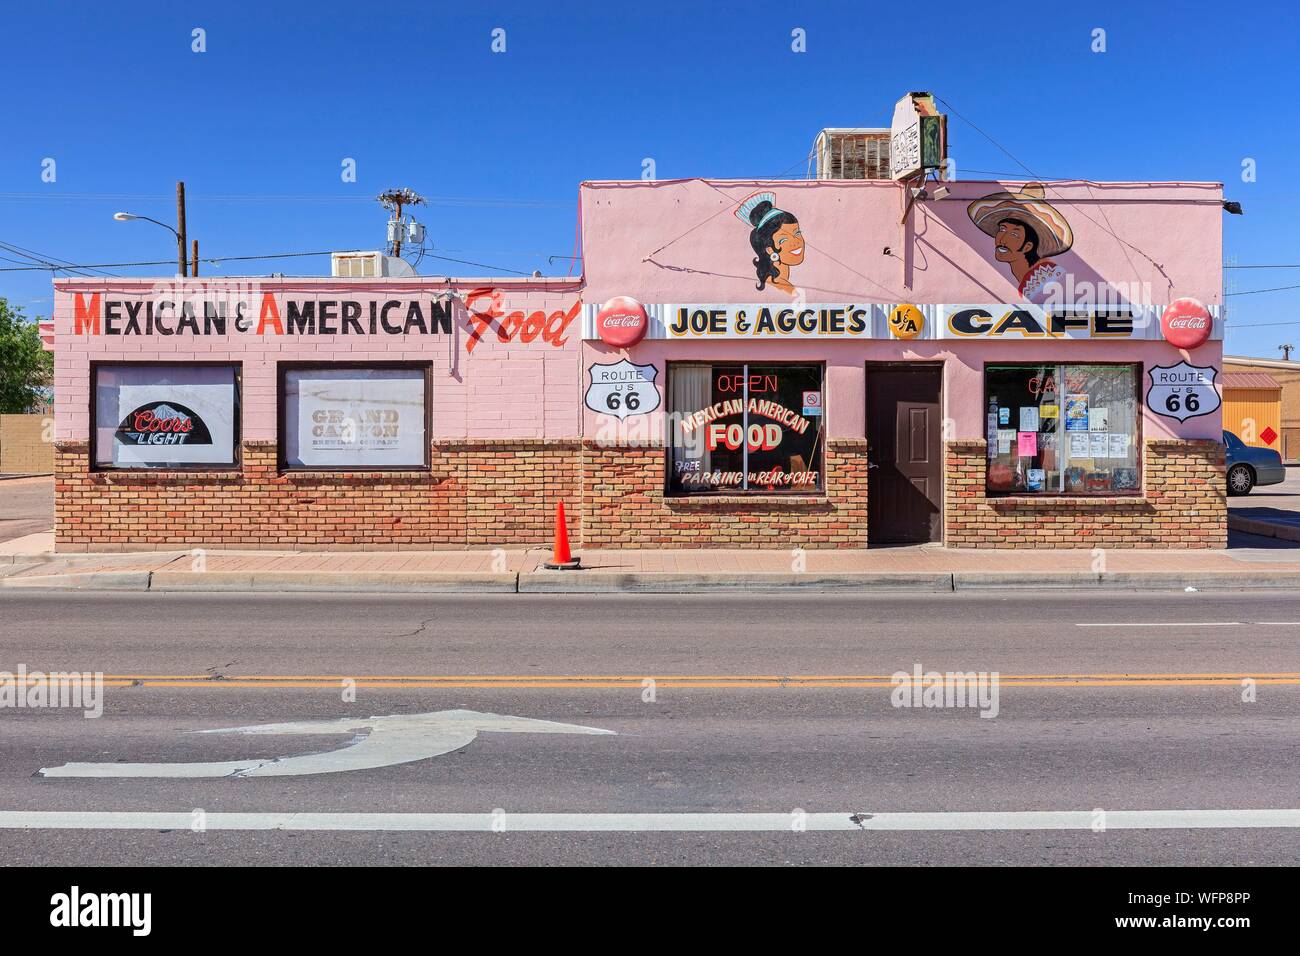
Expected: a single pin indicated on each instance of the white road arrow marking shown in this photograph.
(400, 738)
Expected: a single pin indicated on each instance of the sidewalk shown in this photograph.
(30, 563)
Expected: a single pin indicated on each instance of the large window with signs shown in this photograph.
(354, 417)
(161, 416)
(745, 429)
(1063, 429)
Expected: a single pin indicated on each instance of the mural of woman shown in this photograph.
(776, 238)
(1027, 230)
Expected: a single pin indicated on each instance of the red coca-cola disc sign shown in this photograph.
(622, 322)
(1186, 323)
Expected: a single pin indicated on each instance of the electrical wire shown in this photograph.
(1280, 288)
(32, 255)
(51, 267)
(1014, 159)
(770, 181)
(472, 201)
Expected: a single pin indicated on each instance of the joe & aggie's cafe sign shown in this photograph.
(999, 322)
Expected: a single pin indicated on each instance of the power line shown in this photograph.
(51, 267)
(1008, 152)
(32, 255)
(1281, 288)
(160, 262)
(770, 181)
(249, 198)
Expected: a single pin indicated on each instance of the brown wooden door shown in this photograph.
(904, 435)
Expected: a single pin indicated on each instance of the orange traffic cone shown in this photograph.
(561, 559)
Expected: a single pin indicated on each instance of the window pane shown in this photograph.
(712, 434)
(354, 418)
(1022, 425)
(706, 419)
(1102, 416)
(1072, 429)
(788, 458)
(164, 416)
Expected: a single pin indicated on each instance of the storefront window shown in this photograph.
(744, 429)
(355, 417)
(1063, 429)
(166, 416)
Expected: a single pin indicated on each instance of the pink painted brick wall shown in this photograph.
(499, 386)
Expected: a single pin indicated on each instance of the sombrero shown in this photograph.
(1027, 206)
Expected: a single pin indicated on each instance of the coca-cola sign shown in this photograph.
(1186, 323)
(163, 423)
(622, 322)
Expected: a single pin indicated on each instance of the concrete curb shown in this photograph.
(652, 582)
(1267, 529)
(100, 559)
(641, 582)
(1127, 580)
(91, 581)
(376, 581)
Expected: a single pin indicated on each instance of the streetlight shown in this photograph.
(179, 234)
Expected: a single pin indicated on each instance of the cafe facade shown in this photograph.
(811, 363)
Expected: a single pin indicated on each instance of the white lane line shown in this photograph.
(1166, 624)
(652, 822)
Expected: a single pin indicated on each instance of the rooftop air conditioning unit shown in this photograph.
(368, 265)
(852, 154)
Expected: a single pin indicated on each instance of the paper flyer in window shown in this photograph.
(1050, 410)
(991, 434)
(1099, 420)
(1027, 444)
(1076, 412)
(1099, 445)
(1029, 418)
(1118, 445)
(1079, 445)
(1005, 437)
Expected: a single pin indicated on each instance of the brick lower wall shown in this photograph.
(483, 493)
(624, 506)
(503, 494)
(1183, 505)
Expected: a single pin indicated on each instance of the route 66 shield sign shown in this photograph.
(622, 389)
(1182, 391)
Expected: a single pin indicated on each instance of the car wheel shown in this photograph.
(1240, 480)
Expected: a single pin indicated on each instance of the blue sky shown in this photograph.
(587, 90)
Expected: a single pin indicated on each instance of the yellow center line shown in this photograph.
(704, 681)
(427, 678)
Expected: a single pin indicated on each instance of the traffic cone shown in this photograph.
(561, 559)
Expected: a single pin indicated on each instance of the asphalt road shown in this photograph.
(26, 506)
(784, 741)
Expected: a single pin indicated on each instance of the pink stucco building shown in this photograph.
(816, 363)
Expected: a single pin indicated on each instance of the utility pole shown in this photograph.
(180, 227)
(395, 199)
(1286, 352)
(194, 260)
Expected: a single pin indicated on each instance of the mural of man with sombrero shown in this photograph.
(1027, 231)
